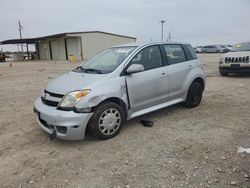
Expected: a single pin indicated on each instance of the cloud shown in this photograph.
(197, 22)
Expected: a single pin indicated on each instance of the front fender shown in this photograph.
(110, 88)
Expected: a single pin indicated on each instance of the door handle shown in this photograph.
(163, 75)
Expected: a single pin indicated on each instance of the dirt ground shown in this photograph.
(185, 147)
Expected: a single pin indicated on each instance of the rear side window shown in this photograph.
(191, 55)
(175, 53)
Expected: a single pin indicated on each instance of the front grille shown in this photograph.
(51, 99)
(49, 103)
(54, 94)
(244, 59)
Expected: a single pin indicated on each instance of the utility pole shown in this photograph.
(20, 27)
(162, 23)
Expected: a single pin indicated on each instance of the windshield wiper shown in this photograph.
(93, 70)
(81, 69)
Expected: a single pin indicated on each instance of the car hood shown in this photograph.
(72, 81)
(236, 54)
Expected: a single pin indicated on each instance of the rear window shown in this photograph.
(189, 52)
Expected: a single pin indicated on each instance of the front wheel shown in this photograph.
(194, 95)
(223, 73)
(106, 121)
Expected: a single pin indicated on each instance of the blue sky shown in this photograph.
(195, 21)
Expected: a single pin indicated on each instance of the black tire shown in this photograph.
(96, 123)
(204, 51)
(223, 73)
(194, 95)
(218, 51)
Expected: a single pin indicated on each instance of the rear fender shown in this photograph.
(195, 73)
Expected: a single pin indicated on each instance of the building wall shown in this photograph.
(81, 45)
(74, 47)
(92, 43)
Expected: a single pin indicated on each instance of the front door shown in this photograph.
(149, 87)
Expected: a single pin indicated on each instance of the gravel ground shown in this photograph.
(185, 147)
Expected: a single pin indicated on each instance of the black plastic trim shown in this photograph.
(49, 103)
(54, 94)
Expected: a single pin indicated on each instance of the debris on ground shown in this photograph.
(147, 123)
(243, 150)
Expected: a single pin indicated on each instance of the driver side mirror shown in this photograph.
(134, 68)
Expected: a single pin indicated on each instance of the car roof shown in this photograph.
(140, 44)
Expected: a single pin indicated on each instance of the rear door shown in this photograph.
(149, 87)
(179, 67)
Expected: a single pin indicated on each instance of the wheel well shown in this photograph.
(119, 102)
(201, 81)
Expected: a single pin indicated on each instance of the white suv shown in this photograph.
(118, 84)
(236, 61)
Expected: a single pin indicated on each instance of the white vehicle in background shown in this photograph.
(199, 49)
(236, 61)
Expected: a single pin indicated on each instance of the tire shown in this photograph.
(218, 51)
(194, 95)
(107, 121)
(222, 73)
(204, 51)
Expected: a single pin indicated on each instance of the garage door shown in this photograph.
(43, 48)
(58, 49)
(74, 47)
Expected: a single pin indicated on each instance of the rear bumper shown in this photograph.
(68, 125)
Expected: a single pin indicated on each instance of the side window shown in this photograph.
(149, 57)
(175, 53)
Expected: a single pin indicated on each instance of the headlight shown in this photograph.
(221, 60)
(72, 98)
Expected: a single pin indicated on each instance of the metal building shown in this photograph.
(81, 45)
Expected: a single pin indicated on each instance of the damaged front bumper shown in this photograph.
(66, 125)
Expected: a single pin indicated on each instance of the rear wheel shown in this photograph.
(106, 121)
(194, 95)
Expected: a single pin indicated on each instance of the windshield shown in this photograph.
(106, 61)
(241, 47)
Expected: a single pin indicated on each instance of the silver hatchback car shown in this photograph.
(118, 84)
